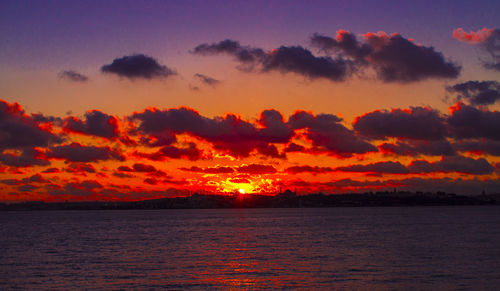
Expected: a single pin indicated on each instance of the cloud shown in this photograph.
(285, 59)
(143, 168)
(73, 76)
(243, 54)
(492, 46)
(190, 152)
(394, 58)
(229, 133)
(472, 36)
(76, 152)
(488, 40)
(477, 92)
(470, 122)
(84, 188)
(458, 164)
(418, 147)
(449, 185)
(296, 59)
(349, 183)
(256, 169)
(80, 168)
(28, 157)
(18, 130)
(138, 66)
(378, 167)
(209, 170)
(96, 123)
(137, 167)
(207, 80)
(326, 132)
(293, 148)
(416, 123)
(51, 171)
(345, 42)
(479, 147)
(447, 164)
(308, 169)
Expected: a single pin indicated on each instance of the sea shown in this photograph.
(356, 248)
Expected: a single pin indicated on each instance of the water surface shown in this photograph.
(316, 248)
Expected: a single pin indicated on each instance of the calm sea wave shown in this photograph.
(439, 248)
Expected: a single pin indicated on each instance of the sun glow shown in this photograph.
(242, 191)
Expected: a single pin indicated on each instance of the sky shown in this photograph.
(132, 100)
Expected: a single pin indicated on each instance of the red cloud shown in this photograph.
(472, 36)
(76, 152)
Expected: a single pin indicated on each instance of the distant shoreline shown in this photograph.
(287, 199)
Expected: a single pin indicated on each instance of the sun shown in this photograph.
(241, 191)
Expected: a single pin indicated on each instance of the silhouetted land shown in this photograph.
(288, 199)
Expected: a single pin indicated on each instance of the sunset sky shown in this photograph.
(128, 100)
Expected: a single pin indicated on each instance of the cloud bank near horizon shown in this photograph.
(104, 157)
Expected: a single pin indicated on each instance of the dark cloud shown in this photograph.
(378, 167)
(138, 66)
(96, 123)
(28, 157)
(492, 46)
(256, 169)
(458, 164)
(143, 168)
(416, 123)
(80, 168)
(76, 152)
(18, 130)
(27, 188)
(479, 147)
(51, 171)
(209, 170)
(296, 59)
(326, 132)
(349, 183)
(395, 58)
(73, 76)
(293, 147)
(274, 127)
(137, 167)
(40, 118)
(207, 80)
(399, 59)
(308, 169)
(243, 54)
(158, 139)
(78, 189)
(477, 92)
(345, 42)
(470, 122)
(151, 181)
(239, 180)
(230, 133)
(285, 59)
(449, 185)
(418, 147)
(37, 178)
(270, 150)
(190, 152)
